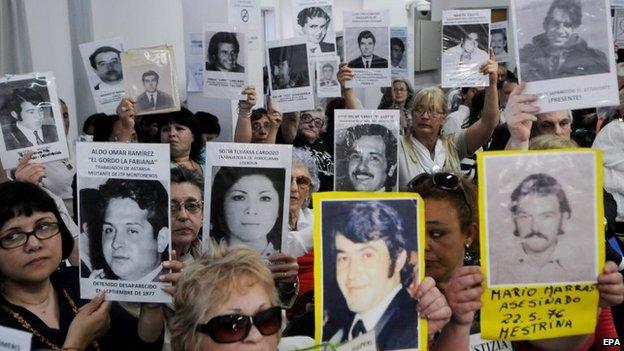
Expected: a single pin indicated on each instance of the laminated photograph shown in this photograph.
(498, 41)
(399, 49)
(367, 47)
(247, 195)
(564, 51)
(368, 249)
(290, 80)
(225, 72)
(31, 119)
(366, 143)
(465, 47)
(327, 84)
(102, 62)
(150, 79)
(123, 216)
(314, 21)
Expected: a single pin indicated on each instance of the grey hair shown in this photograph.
(303, 157)
(323, 116)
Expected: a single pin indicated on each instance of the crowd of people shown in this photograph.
(243, 293)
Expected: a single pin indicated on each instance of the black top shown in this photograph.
(122, 334)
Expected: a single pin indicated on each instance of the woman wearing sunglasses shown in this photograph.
(38, 297)
(226, 300)
(452, 230)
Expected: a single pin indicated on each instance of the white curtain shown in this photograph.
(14, 43)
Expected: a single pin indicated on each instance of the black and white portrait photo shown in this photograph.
(102, 62)
(367, 48)
(314, 23)
(398, 52)
(340, 45)
(150, 79)
(127, 227)
(369, 250)
(289, 67)
(366, 158)
(223, 52)
(30, 119)
(541, 209)
(498, 41)
(247, 206)
(327, 84)
(562, 38)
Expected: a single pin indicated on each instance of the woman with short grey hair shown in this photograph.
(304, 181)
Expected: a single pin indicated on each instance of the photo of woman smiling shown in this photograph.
(246, 207)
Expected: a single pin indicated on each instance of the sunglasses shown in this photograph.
(236, 327)
(302, 181)
(441, 180)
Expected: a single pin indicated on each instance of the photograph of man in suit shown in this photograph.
(366, 41)
(313, 22)
(328, 78)
(371, 251)
(27, 110)
(107, 65)
(152, 98)
(223, 52)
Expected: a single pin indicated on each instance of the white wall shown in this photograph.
(48, 29)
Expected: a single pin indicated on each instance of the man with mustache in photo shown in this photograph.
(107, 65)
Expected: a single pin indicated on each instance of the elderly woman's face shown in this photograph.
(186, 213)
(310, 124)
(179, 138)
(299, 191)
(427, 120)
(247, 302)
(399, 92)
(251, 207)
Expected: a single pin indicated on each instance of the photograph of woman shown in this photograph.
(247, 207)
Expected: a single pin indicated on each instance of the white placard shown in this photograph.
(102, 62)
(225, 70)
(366, 144)
(498, 41)
(290, 80)
(367, 47)
(327, 84)
(31, 119)
(14, 340)
(569, 69)
(478, 344)
(247, 195)
(123, 197)
(314, 21)
(465, 42)
(246, 14)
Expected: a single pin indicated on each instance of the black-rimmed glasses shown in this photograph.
(42, 231)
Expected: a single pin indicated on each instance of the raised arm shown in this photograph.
(346, 74)
(275, 116)
(242, 133)
(126, 113)
(520, 115)
(480, 132)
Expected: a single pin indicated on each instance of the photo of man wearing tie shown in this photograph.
(366, 42)
(27, 109)
(152, 98)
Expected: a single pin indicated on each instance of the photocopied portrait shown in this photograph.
(366, 41)
(222, 53)
(398, 58)
(538, 218)
(498, 41)
(328, 75)
(289, 67)
(152, 98)
(368, 250)
(465, 45)
(315, 24)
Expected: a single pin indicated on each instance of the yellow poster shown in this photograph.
(542, 242)
(368, 249)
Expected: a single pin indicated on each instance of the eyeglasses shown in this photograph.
(441, 180)
(257, 126)
(307, 118)
(235, 327)
(422, 111)
(302, 181)
(42, 231)
(191, 207)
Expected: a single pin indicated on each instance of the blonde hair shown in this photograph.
(551, 141)
(431, 97)
(209, 282)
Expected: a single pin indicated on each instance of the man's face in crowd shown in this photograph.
(539, 221)
(227, 55)
(367, 163)
(128, 240)
(108, 66)
(150, 83)
(363, 272)
(315, 29)
(367, 46)
(32, 115)
(498, 43)
(396, 54)
(470, 42)
(557, 122)
(328, 72)
(559, 28)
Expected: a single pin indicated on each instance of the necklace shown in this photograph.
(38, 335)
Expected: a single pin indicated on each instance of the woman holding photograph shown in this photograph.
(427, 148)
(246, 208)
(181, 131)
(41, 296)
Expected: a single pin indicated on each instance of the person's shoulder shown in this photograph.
(356, 62)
